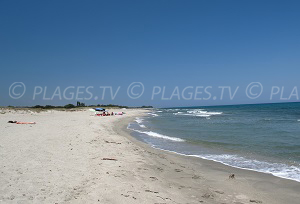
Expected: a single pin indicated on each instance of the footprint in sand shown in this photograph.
(219, 192)
(160, 169)
(196, 177)
(149, 191)
(153, 178)
(255, 201)
(208, 195)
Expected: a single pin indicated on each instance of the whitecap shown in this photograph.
(140, 121)
(199, 113)
(157, 135)
(153, 114)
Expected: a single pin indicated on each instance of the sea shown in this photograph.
(258, 137)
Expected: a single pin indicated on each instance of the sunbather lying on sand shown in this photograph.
(25, 123)
(21, 122)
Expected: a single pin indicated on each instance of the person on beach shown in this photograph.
(16, 122)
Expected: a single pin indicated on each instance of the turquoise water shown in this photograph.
(262, 137)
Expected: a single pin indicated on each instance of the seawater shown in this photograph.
(260, 137)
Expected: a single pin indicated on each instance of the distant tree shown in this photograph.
(78, 103)
(49, 107)
(38, 106)
(69, 106)
(82, 104)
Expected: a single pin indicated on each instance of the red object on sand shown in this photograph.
(25, 123)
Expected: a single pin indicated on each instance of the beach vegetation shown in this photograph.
(68, 106)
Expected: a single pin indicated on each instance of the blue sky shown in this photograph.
(158, 43)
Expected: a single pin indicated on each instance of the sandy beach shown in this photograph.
(74, 157)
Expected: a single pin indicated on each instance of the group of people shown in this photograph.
(104, 113)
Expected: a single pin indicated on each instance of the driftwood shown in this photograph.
(109, 159)
(112, 142)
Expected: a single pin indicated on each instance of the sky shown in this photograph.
(162, 53)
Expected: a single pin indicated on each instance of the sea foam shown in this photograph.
(139, 122)
(153, 114)
(160, 136)
(198, 113)
(276, 169)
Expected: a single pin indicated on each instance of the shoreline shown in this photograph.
(73, 157)
(213, 160)
(270, 181)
